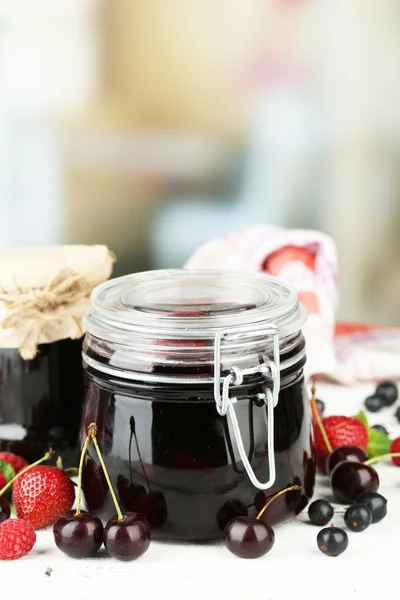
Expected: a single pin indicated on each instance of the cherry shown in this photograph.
(332, 541)
(79, 535)
(128, 538)
(154, 508)
(126, 535)
(130, 494)
(249, 538)
(350, 479)
(94, 484)
(229, 510)
(5, 509)
(345, 453)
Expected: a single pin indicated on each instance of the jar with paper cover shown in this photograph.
(44, 292)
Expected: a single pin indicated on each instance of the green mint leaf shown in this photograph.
(378, 443)
(361, 416)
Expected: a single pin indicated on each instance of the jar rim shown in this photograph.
(172, 302)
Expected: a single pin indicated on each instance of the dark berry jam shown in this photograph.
(173, 458)
(41, 401)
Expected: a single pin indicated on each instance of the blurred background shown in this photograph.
(154, 126)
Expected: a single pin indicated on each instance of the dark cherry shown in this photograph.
(345, 453)
(5, 509)
(376, 503)
(229, 510)
(154, 508)
(332, 541)
(374, 403)
(320, 512)
(249, 538)
(130, 494)
(78, 536)
(388, 391)
(350, 479)
(358, 517)
(94, 484)
(127, 539)
(380, 428)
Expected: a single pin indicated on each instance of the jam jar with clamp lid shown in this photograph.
(195, 382)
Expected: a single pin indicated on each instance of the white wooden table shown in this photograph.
(294, 569)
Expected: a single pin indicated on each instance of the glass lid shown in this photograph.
(181, 299)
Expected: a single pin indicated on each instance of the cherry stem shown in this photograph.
(80, 469)
(375, 459)
(288, 489)
(92, 433)
(133, 432)
(318, 418)
(48, 455)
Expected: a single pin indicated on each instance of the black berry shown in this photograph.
(376, 503)
(358, 517)
(388, 391)
(320, 512)
(380, 428)
(249, 538)
(332, 541)
(374, 403)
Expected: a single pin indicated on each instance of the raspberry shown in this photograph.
(17, 538)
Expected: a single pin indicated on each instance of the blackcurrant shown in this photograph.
(388, 391)
(380, 428)
(376, 503)
(358, 517)
(332, 541)
(374, 403)
(320, 512)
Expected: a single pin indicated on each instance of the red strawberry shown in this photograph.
(17, 462)
(42, 495)
(341, 431)
(3, 481)
(395, 447)
(17, 538)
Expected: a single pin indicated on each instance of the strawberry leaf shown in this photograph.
(9, 474)
(378, 442)
(7, 470)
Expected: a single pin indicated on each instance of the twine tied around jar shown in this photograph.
(36, 309)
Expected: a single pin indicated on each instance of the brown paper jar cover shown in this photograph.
(44, 292)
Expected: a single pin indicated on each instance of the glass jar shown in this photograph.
(41, 401)
(44, 293)
(195, 381)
